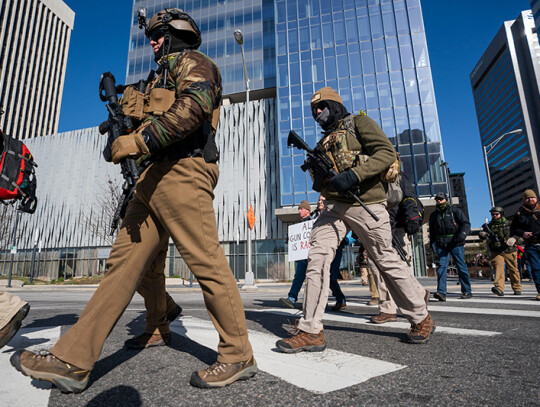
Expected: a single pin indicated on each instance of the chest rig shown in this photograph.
(338, 146)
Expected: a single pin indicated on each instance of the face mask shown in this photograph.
(322, 118)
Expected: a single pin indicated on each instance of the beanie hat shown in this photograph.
(325, 94)
(529, 193)
(305, 204)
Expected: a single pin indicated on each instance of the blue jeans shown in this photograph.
(458, 253)
(533, 255)
(299, 277)
(334, 275)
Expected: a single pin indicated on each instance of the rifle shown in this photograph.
(318, 161)
(491, 235)
(117, 125)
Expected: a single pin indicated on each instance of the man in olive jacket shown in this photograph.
(361, 152)
(448, 229)
(502, 249)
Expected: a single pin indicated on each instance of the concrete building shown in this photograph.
(457, 182)
(535, 8)
(35, 38)
(505, 84)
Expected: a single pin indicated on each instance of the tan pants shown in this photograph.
(151, 289)
(498, 260)
(364, 275)
(10, 304)
(373, 291)
(329, 229)
(387, 304)
(173, 198)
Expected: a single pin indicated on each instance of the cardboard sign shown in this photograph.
(299, 240)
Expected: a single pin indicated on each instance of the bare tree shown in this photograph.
(98, 218)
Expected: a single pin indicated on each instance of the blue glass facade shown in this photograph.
(374, 53)
(217, 20)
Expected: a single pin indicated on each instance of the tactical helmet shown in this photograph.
(497, 209)
(177, 23)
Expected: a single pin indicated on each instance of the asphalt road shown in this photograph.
(485, 352)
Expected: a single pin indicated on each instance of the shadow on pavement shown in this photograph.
(117, 396)
(57, 320)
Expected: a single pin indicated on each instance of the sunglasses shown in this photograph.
(439, 199)
(156, 34)
(495, 213)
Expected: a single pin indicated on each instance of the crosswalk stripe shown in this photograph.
(319, 372)
(363, 319)
(13, 383)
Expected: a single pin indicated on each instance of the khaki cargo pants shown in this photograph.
(498, 260)
(10, 304)
(173, 198)
(328, 230)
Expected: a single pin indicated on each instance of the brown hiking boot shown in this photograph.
(383, 318)
(147, 340)
(339, 306)
(302, 341)
(45, 366)
(419, 333)
(13, 326)
(373, 301)
(222, 374)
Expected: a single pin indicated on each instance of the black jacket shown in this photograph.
(448, 228)
(409, 213)
(527, 220)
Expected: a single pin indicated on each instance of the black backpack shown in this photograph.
(17, 174)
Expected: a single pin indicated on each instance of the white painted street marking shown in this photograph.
(364, 319)
(19, 390)
(478, 310)
(318, 372)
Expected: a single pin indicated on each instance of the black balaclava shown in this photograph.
(176, 41)
(332, 113)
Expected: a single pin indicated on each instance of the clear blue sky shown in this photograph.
(457, 33)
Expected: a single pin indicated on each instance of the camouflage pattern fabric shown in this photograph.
(196, 80)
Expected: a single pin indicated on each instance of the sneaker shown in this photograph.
(302, 341)
(466, 296)
(517, 292)
(339, 306)
(9, 331)
(147, 340)
(222, 374)
(383, 317)
(497, 291)
(439, 296)
(419, 333)
(45, 366)
(373, 301)
(286, 302)
(175, 313)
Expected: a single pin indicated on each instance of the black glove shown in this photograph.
(342, 182)
(412, 227)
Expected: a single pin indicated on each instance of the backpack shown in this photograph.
(17, 174)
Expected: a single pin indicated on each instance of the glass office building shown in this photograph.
(373, 52)
(505, 84)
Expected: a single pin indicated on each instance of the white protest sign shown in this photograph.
(299, 240)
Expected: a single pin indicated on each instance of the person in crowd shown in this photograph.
(448, 229)
(502, 249)
(361, 153)
(173, 198)
(526, 224)
(13, 311)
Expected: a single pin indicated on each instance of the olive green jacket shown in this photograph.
(371, 141)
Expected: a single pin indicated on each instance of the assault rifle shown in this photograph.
(323, 168)
(491, 235)
(117, 125)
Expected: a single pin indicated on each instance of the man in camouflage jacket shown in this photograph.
(173, 198)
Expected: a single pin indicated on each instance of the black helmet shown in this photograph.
(179, 25)
(497, 209)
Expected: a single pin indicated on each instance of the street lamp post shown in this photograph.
(249, 277)
(487, 149)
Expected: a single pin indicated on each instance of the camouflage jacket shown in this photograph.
(196, 81)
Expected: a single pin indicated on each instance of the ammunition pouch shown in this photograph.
(160, 100)
(132, 103)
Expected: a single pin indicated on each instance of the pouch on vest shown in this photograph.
(132, 102)
(160, 100)
(17, 174)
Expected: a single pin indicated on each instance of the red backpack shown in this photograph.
(17, 174)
